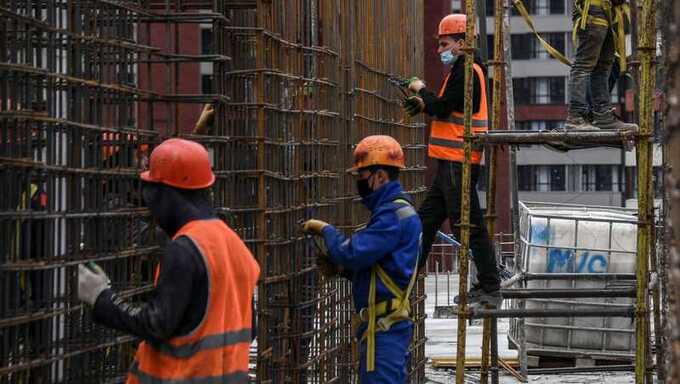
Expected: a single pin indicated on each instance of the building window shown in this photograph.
(207, 84)
(539, 90)
(558, 178)
(542, 7)
(557, 7)
(490, 5)
(525, 46)
(600, 178)
(522, 46)
(542, 178)
(207, 41)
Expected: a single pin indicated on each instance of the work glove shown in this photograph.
(314, 226)
(415, 84)
(413, 105)
(92, 280)
(205, 120)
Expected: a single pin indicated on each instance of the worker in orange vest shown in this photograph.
(443, 199)
(196, 326)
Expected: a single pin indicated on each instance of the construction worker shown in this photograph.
(196, 326)
(443, 199)
(380, 260)
(598, 26)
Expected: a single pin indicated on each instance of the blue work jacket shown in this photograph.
(391, 238)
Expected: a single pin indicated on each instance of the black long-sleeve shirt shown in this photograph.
(179, 300)
(177, 303)
(453, 98)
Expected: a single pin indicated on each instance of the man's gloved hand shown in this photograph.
(413, 105)
(415, 84)
(205, 120)
(314, 226)
(92, 280)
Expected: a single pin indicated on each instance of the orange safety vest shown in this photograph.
(217, 350)
(446, 135)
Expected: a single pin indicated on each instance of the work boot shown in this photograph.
(578, 123)
(477, 295)
(609, 121)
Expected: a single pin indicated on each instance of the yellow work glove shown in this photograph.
(205, 120)
(415, 84)
(413, 105)
(314, 226)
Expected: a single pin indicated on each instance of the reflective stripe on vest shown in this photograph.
(217, 350)
(208, 342)
(143, 378)
(446, 135)
(460, 120)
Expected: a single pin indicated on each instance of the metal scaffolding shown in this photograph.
(646, 248)
(88, 87)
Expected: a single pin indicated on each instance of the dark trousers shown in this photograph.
(443, 201)
(591, 68)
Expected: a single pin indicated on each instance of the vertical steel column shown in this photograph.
(498, 66)
(672, 142)
(261, 250)
(647, 53)
(465, 193)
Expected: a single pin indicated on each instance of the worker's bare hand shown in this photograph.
(92, 280)
(413, 105)
(314, 226)
(205, 120)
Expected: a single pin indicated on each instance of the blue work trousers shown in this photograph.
(391, 356)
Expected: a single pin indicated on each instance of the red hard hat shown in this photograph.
(452, 24)
(180, 163)
(378, 150)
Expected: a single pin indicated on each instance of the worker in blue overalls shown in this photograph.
(380, 259)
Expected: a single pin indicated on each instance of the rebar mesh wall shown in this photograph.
(88, 87)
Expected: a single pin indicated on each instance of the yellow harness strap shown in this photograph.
(552, 51)
(615, 21)
(403, 307)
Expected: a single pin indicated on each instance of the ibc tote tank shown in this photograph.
(556, 238)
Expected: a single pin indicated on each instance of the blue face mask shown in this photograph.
(447, 57)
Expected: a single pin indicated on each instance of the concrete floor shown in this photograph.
(441, 334)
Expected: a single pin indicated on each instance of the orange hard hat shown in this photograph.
(378, 150)
(452, 24)
(180, 163)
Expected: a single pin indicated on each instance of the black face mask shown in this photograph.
(363, 188)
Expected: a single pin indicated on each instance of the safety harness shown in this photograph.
(381, 316)
(616, 15)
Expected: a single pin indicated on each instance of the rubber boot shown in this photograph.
(609, 121)
(578, 123)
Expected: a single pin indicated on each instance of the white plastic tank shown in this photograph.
(557, 238)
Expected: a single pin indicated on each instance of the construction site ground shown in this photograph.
(441, 341)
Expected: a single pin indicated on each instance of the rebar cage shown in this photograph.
(88, 88)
